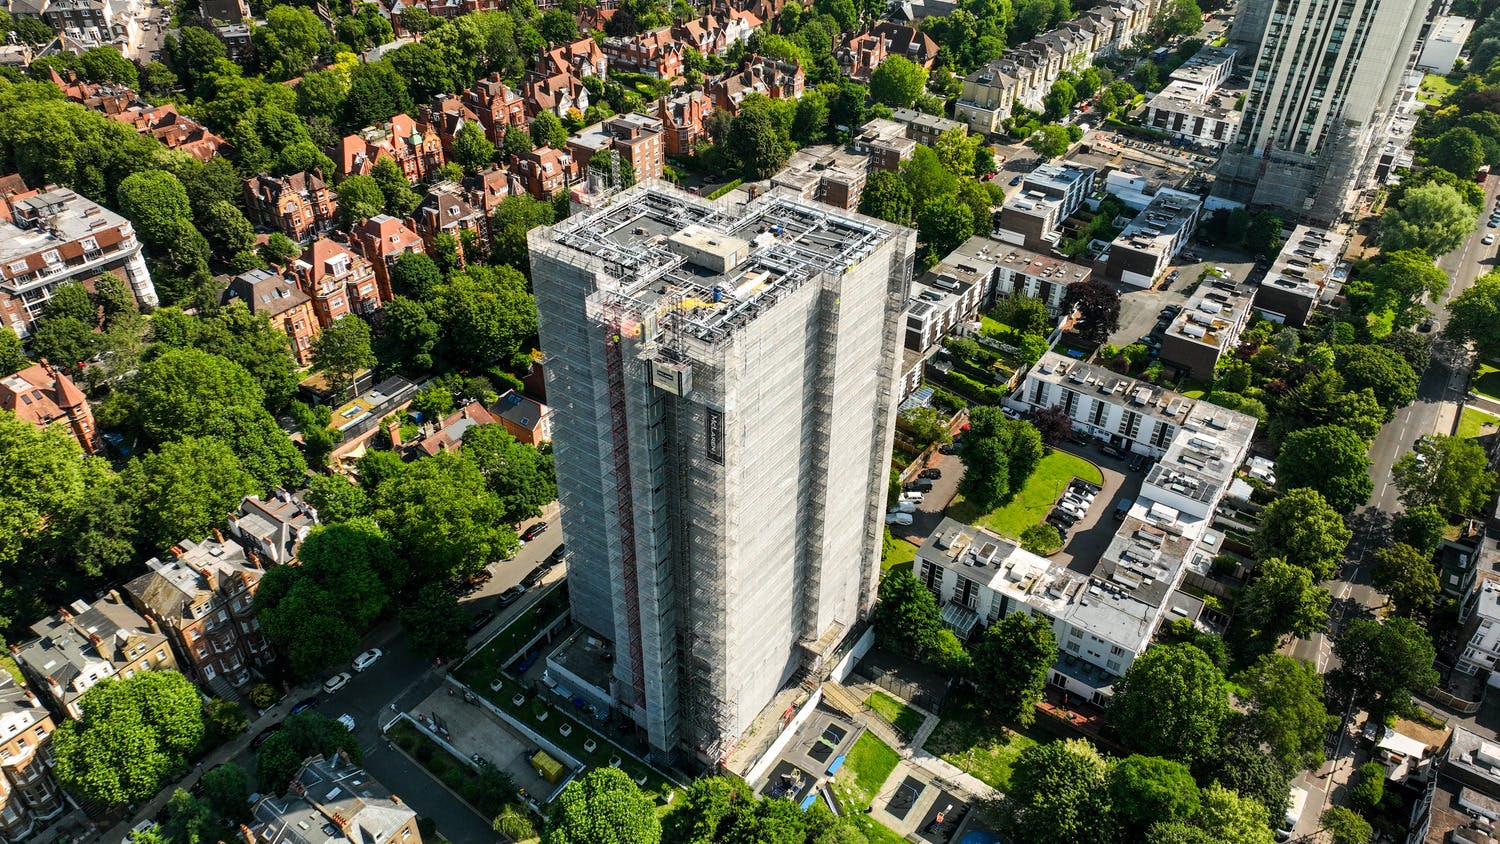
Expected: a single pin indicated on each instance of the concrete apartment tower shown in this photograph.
(724, 384)
(1324, 75)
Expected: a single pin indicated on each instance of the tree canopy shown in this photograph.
(1329, 459)
(1301, 528)
(1011, 663)
(602, 807)
(1172, 702)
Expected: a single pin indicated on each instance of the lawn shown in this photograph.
(1434, 88)
(1472, 423)
(1031, 504)
(905, 719)
(868, 765)
(978, 746)
(1487, 380)
(896, 552)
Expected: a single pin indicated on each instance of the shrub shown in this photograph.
(455, 779)
(424, 752)
(263, 696)
(1042, 538)
(513, 823)
(1368, 787)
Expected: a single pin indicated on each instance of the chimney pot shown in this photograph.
(218, 537)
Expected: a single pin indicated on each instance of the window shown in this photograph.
(161, 654)
(1073, 646)
(1116, 650)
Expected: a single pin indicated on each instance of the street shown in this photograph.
(400, 678)
(1439, 396)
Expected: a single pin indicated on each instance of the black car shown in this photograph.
(480, 619)
(535, 576)
(264, 735)
(534, 531)
(947, 448)
(917, 486)
(931, 474)
(557, 554)
(305, 704)
(1016, 181)
(510, 595)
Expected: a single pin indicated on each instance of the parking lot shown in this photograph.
(472, 729)
(1091, 535)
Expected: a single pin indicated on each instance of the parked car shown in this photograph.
(305, 704)
(479, 619)
(1489, 237)
(1110, 451)
(510, 595)
(264, 736)
(534, 576)
(534, 531)
(913, 496)
(1122, 509)
(948, 448)
(558, 553)
(336, 682)
(922, 485)
(1426, 325)
(348, 721)
(1016, 181)
(368, 658)
(898, 518)
(931, 474)
(141, 826)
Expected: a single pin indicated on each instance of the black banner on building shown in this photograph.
(713, 426)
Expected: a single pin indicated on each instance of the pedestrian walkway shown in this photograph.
(915, 760)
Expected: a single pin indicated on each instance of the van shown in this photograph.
(1296, 802)
(915, 497)
(906, 507)
(1122, 509)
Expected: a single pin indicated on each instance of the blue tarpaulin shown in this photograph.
(833, 767)
(809, 800)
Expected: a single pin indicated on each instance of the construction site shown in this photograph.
(725, 386)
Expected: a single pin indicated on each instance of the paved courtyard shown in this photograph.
(474, 729)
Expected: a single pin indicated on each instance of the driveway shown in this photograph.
(930, 512)
(1088, 539)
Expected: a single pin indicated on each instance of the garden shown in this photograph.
(905, 718)
(866, 768)
(971, 741)
(489, 790)
(1031, 504)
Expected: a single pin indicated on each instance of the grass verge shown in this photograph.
(1487, 380)
(1473, 423)
(905, 719)
(1031, 504)
(976, 745)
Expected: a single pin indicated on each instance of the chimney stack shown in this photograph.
(64, 615)
(114, 596)
(246, 835)
(218, 537)
(393, 429)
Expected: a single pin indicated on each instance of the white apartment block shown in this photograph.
(1144, 248)
(1484, 645)
(1106, 618)
(1033, 218)
(1445, 42)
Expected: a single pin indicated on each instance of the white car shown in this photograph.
(1488, 238)
(898, 518)
(143, 826)
(367, 659)
(348, 721)
(336, 682)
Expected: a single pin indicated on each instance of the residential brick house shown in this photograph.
(339, 281)
(774, 78)
(635, 137)
(558, 93)
(447, 114)
(202, 596)
(656, 53)
(44, 396)
(299, 205)
(448, 435)
(544, 171)
(279, 298)
(330, 801)
(382, 240)
(28, 793)
(863, 51)
(713, 34)
(84, 643)
(486, 189)
(173, 130)
(682, 121)
(446, 210)
(272, 530)
(54, 237)
(497, 105)
(527, 419)
(414, 146)
(582, 58)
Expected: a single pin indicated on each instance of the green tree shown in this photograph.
(342, 350)
(1264, 236)
(1382, 665)
(547, 131)
(1283, 599)
(1330, 459)
(111, 298)
(1451, 473)
(519, 475)
(263, 449)
(758, 144)
(152, 199)
(1458, 150)
(1011, 663)
(897, 82)
(1433, 217)
(1059, 99)
(1177, 19)
(1408, 576)
(434, 623)
(1226, 816)
(513, 218)
(1301, 528)
(1050, 141)
(906, 615)
(416, 276)
(1285, 711)
(1420, 527)
(290, 41)
(227, 789)
(376, 93)
(64, 340)
(280, 249)
(471, 148)
(1172, 702)
(886, 196)
(1367, 787)
(1246, 769)
(335, 499)
(185, 488)
(1058, 793)
(1042, 538)
(1401, 282)
(400, 199)
(12, 358)
(602, 807)
(1381, 370)
(1345, 827)
(178, 392)
(768, 822)
(487, 314)
(1144, 790)
(1475, 315)
(300, 736)
(359, 199)
(443, 518)
(132, 737)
